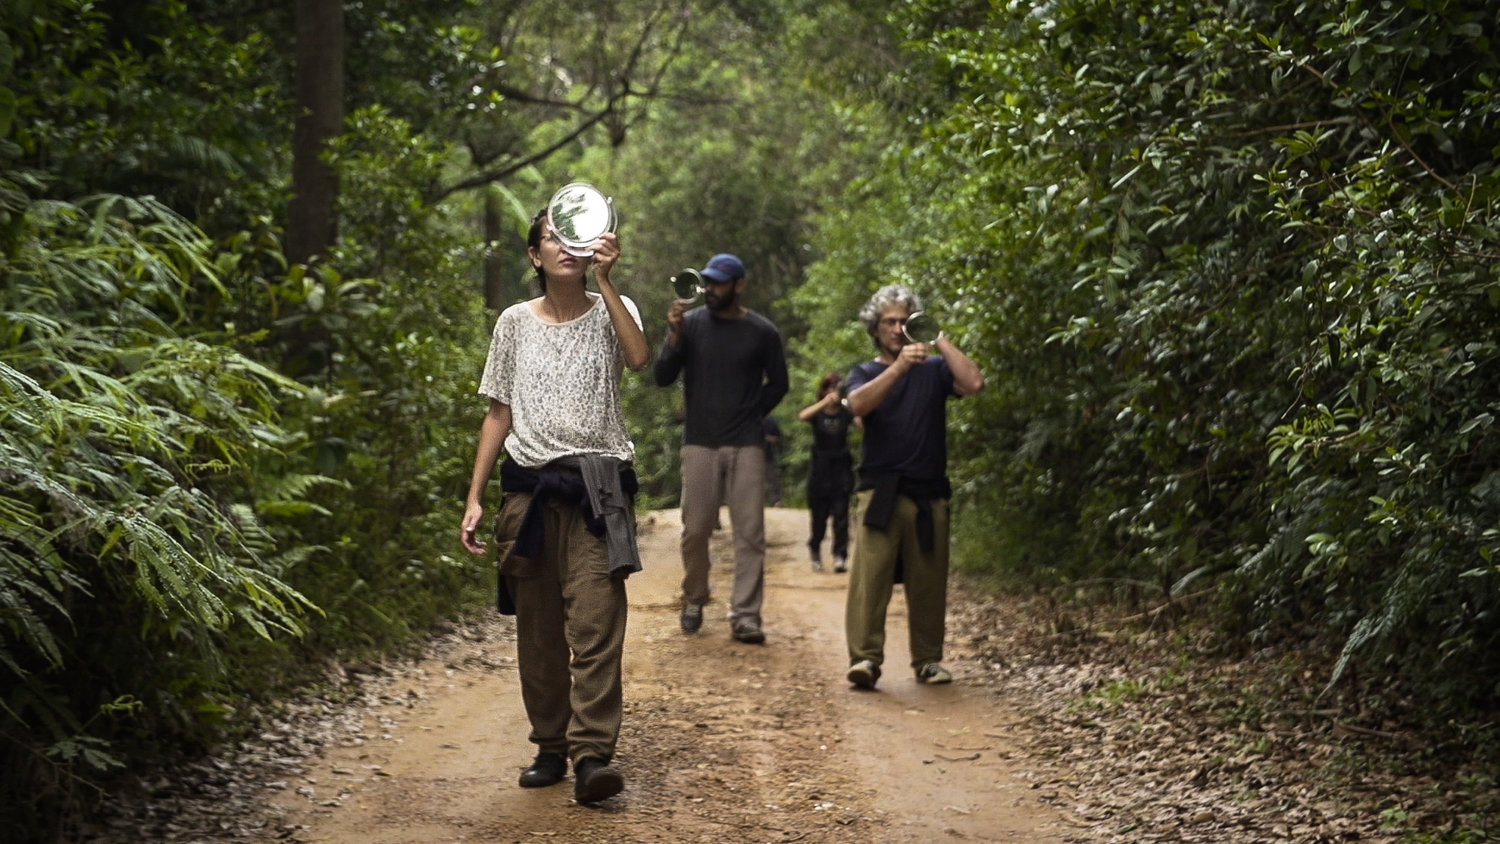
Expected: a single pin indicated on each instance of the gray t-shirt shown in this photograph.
(562, 382)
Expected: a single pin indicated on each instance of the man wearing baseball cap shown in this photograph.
(733, 372)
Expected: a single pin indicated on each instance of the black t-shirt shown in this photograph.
(733, 375)
(831, 430)
(907, 434)
(832, 467)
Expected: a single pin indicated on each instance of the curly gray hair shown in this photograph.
(885, 297)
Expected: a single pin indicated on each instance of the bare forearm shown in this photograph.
(817, 407)
(492, 434)
(871, 394)
(967, 379)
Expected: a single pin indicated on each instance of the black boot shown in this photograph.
(595, 780)
(547, 769)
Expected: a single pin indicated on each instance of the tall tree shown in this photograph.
(312, 221)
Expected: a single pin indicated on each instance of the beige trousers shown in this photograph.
(710, 475)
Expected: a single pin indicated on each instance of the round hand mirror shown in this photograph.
(578, 215)
(688, 284)
(922, 327)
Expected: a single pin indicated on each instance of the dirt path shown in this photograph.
(722, 742)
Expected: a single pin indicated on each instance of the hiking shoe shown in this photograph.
(748, 632)
(692, 617)
(863, 674)
(933, 673)
(840, 565)
(547, 769)
(595, 780)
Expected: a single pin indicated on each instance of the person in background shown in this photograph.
(901, 507)
(565, 529)
(830, 474)
(772, 430)
(733, 371)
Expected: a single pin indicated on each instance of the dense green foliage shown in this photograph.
(1229, 268)
(1234, 265)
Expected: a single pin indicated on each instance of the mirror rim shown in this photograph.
(906, 330)
(697, 282)
(578, 246)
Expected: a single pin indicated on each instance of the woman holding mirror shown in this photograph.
(565, 530)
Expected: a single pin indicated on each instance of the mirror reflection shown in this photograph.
(579, 214)
(922, 327)
(688, 284)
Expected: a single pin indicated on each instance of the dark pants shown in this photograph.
(825, 504)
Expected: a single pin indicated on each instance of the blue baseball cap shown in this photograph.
(724, 268)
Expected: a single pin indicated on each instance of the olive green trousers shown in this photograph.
(872, 577)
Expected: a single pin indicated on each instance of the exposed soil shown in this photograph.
(1054, 730)
(722, 741)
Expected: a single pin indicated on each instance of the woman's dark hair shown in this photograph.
(831, 381)
(534, 241)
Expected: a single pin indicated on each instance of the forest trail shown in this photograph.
(722, 741)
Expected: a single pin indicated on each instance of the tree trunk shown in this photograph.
(312, 223)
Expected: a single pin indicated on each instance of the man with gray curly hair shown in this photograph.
(901, 502)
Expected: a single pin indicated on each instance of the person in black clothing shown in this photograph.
(773, 460)
(830, 475)
(901, 508)
(733, 373)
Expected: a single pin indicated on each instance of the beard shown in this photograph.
(720, 303)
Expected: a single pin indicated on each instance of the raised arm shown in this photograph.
(669, 359)
(632, 339)
(830, 399)
(967, 379)
(869, 395)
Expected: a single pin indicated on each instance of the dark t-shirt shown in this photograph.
(771, 428)
(907, 434)
(831, 468)
(733, 375)
(831, 430)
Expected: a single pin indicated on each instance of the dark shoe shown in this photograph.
(692, 617)
(595, 780)
(934, 674)
(863, 674)
(749, 632)
(547, 769)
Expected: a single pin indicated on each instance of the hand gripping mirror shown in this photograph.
(579, 214)
(687, 285)
(921, 327)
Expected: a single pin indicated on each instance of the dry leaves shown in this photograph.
(1142, 740)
